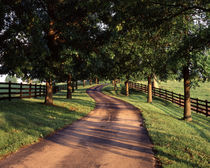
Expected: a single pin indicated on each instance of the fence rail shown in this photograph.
(197, 105)
(19, 90)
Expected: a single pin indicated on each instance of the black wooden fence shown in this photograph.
(19, 90)
(197, 105)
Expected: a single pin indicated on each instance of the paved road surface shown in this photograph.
(111, 136)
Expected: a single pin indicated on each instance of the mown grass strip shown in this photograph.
(23, 122)
(177, 143)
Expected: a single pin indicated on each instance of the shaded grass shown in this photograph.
(177, 143)
(23, 122)
(201, 92)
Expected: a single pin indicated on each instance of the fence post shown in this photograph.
(160, 93)
(35, 91)
(172, 97)
(44, 90)
(40, 90)
(9, 90)
(197, 105)
(207, 113)
(21, 90)
(30, 90)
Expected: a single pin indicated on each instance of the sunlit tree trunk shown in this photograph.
(187, 104)
(49, 93)
(69, 89)
(126, 88)
(83, 83)
(149, 95)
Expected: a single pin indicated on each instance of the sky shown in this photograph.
(2, 78)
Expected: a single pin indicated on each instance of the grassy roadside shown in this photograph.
(23, 122)
(177, 144)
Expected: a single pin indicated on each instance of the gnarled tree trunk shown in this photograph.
(149, 95)
(187, 104)
(49, 93)
(69, 89)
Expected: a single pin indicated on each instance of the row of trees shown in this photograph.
(64, 40)
(171, 41)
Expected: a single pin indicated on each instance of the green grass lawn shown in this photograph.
(23, 122)
(202, 92)
(177, 143)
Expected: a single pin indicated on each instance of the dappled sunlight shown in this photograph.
(30, 119)
(176, 142)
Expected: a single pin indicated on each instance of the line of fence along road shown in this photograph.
(197, 105)
(11, 90)
(19, 90)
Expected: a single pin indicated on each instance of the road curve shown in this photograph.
(111, 136)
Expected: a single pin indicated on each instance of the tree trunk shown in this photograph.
(49, 93)
(90, 81)
(187, 104)
(149, 95)
(126, 88)
(72, 85)
(115, 84)
(69, 89)
(96, 80)
(76, 85)
(83, 83)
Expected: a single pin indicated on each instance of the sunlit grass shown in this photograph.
(177, 143)
(23, 122)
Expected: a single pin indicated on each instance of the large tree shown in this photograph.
(38, 32)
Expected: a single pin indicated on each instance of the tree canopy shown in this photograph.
(50, 40)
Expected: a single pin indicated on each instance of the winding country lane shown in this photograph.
(111, 136)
